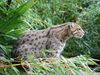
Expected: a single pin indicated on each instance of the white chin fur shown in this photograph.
(79, 36)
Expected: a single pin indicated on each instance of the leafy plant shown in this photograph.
(24, 15)
(52, 66)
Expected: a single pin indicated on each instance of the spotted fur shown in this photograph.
(52, 38)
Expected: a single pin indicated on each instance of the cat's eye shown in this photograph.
(79, 29)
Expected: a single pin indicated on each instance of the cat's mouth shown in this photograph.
(79, 35)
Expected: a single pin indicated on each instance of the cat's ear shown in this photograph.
(69, 26)
(69, 29)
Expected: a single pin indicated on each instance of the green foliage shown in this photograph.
(89, 19)
(23, 15)
(11, 19)
(52, 66)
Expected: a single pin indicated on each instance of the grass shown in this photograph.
(23, 15)
(52, 66)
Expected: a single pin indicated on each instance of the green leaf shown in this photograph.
(13, 19)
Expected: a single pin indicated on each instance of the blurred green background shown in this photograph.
(18, 16)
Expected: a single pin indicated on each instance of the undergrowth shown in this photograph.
(19, 16)
(51, 66)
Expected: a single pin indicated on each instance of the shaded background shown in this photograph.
(18, 16)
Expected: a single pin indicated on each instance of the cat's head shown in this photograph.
(75, 29)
